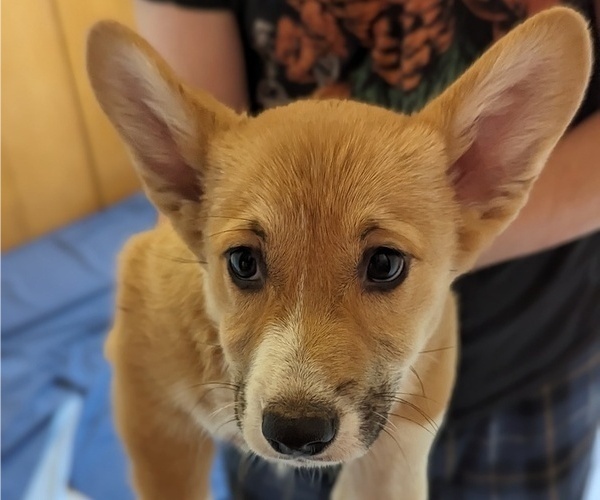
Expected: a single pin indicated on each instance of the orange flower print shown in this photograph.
(357, 16)
(300, 46)
(295, 50)
(322, 26)
(406, 39)
(434, 18)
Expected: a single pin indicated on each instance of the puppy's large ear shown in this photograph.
(167, 128)
(504, 116)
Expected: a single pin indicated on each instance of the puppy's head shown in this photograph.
(332, 230)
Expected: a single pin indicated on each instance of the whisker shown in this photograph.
(438, 349)
(227, 422)
(217, 386)
(183, 391)
(227, 231)
(205, 394)
(221, 385)
(203, 397)
(396, 394)
(413, 421)
(180, 260)
(430, 421)
(397, 443)
(218, 410)
(228, 217)
(419, 379)
(204, 438)
(385, 419)
(395, 427)
(420, 412)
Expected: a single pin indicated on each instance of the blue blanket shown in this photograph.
(57, 301)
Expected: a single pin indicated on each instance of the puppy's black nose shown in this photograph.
(304, 436)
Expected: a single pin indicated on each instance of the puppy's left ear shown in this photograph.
(168, 129)
(504, 116)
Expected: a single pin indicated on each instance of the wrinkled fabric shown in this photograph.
(57, 301)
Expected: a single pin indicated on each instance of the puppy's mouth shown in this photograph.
(309, 434)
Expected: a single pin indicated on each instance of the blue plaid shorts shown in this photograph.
(538, 448)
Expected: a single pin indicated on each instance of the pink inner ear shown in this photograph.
(154, 144)
(164, 159)
(500, 151)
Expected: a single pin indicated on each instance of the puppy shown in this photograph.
(298, 300)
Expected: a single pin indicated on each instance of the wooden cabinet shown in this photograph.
(61, 159)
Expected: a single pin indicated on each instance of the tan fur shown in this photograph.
(313, 185)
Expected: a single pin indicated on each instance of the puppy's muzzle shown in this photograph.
(299, 436)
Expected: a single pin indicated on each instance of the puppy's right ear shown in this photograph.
(167, 128)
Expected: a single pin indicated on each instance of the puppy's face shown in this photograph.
(329, 238)
(331, 231)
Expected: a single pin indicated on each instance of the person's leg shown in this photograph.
(255, 479)
(537, 449)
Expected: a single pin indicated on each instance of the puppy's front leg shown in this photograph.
(170, 458)
(395, 468)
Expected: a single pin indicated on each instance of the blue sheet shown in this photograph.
(57, 300)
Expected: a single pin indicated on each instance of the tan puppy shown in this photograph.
(298, 301)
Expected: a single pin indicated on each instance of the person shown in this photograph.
(526, 406)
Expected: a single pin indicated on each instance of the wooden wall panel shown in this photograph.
(61, 159)
(43, 140)
(114, 171)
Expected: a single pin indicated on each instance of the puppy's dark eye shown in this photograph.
(244, 264)
(386, 268)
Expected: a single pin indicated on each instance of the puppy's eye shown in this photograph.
(244, 267)
(386, 268)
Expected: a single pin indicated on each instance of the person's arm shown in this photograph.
(564, 203)
(202, 46)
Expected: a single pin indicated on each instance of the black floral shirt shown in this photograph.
(395, 53)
